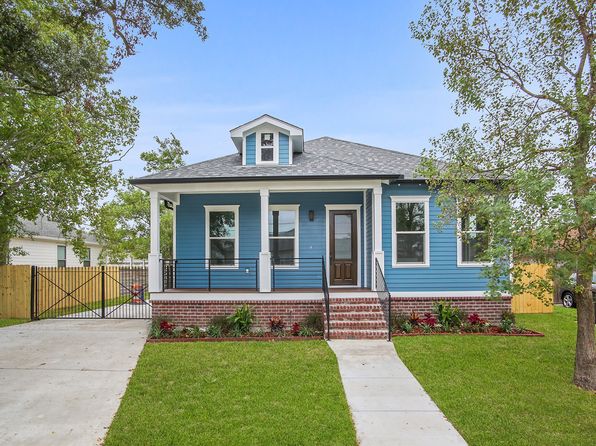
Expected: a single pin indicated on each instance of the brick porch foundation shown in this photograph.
(487, 309)
(187, 313)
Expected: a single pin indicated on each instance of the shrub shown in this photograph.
(167, 328)
(414, 319)
(155, 329)
(508, 316)
(429, 320)
(448, 316)
(178, 332)
(295, 329)
(397, 320)
(475, 319)
(506, 325)
(306, 331)
(406, 327)
(236, 332)
(314, 321)
(214, 331)
(426, 328)
(259, 333)
(277, 324)
(241, 320)
(223, 323)
(196, 332)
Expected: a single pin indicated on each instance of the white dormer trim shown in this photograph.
(295, 133)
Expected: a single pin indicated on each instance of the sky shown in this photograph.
(345, 69)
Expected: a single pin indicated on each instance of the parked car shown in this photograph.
(568, 296)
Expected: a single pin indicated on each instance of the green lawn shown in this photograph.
(8, 322)
(234, 393)
(507, 390)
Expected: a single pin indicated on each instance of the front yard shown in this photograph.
(234, 393)
(507, 390)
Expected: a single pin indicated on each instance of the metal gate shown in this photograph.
(115, 292)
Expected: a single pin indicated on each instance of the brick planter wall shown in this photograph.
(188, 313)
(487, 309)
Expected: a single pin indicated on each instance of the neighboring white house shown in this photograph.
(46, 246)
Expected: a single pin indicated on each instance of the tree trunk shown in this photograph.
(4, 244)
(585, 351)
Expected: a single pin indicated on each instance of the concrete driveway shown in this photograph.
(61, 380)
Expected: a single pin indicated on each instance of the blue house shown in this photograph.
(294, 226)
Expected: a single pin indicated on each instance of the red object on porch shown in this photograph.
(138, 293)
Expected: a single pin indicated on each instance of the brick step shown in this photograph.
(359, 308)
(358, 334)
(359, 325)
(356, 316)
(354, 300)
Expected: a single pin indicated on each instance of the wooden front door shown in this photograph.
(343, 248)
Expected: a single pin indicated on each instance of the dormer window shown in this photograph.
(267, 148)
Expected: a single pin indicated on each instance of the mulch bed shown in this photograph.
(238, 339)
(492, 331)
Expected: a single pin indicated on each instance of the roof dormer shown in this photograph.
(267, 141)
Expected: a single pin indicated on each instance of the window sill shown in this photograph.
(473, 264)
(410, 265)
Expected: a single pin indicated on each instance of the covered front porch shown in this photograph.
(268, 240)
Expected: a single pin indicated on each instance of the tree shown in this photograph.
(527, 71)
(61, 126)
(123, 224)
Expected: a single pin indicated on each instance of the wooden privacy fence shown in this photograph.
(527, 302)
(15, 291)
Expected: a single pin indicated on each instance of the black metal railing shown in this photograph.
(326, 297)
(210, 273)
(384, 296)
(296, 272)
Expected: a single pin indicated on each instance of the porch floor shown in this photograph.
(276, 290)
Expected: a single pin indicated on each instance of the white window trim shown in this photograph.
(275, 147)
(218, 208)
(65, 255)
(424, 199)
(460, 261)
(287, 207)
(343, 207)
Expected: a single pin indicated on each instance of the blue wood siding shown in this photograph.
(284, 149)
(190, 235)
(443, 274)
(251, 149)
(312, 242)
(190, 240)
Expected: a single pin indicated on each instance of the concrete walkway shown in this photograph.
(61, 380)
(389, 407)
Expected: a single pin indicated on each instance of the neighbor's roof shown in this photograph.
(323, 158)
(42, 227)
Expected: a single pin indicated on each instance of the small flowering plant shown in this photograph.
(429, 320)
(475, 319)
(166, 327)
(276, 324)
(295, 329)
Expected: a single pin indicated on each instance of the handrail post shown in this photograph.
(209, 274)
(256, 274)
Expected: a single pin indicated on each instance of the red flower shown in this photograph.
(295, 328)
(474, 319)
(429, 320)
(166, 326)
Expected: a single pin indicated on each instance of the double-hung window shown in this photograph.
(87, 259)
(221, 245)
(61, 255)
(410, 227)
(472, 241)
(267, 147)
(283, 234)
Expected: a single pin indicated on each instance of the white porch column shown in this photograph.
(154, 253)
(264, 255)
(377, 230)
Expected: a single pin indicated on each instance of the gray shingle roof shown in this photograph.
(42, 227)
(322, 158)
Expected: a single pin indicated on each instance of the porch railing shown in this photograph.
(296, 272)
(210, 274)
(384, 296)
